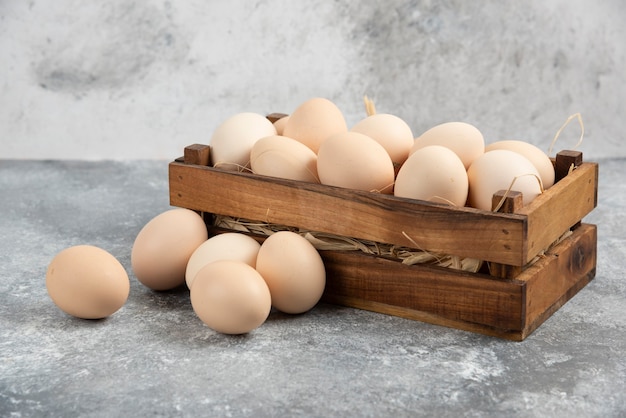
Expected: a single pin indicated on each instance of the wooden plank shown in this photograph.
(559, 275)
(448, 294)
(560, 207)
(465, 232)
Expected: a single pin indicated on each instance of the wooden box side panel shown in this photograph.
(464, 232)
(559, 275)
(387, 286)
(561, 207)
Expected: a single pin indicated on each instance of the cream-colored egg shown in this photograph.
(355, 161)
(230, 297)
(280, 124)
(497, 170)
(313, 121)
(540, 159)
(293, 271)
(280, 156)
(228, 246)
(390, 131)
(462, 138)
(434, 173)
(87, 282)
(163, 247)
(233, 139)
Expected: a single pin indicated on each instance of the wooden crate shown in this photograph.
(525, 277)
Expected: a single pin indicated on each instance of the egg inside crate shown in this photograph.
(313, 121)
(280, 124)
(163, 247)
(233, 139)
(500, 170)
(227, 246)
(390, 131)
(355, 161)
(230, 297)
(293, 270)
(87, 282)
(462, 138)
(434, 173)
(540, 159)
(280, 156)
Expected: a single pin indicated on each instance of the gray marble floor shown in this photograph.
(155, 358)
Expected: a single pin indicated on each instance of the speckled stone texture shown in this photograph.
(155, 358)
(124, 79)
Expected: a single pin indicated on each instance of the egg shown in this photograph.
(462, 138)
(355, 161)
(390, 131)
(433, 173)
(233, 139)
(497, 170)
(163, 247)
(230, 297)
(87, 282)
(279, 124)
(540, 159)
(293, 270)
(313, 121)
(227, 246)
(280, 156)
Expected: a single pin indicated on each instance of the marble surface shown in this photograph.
(128, 79)
(155, 358)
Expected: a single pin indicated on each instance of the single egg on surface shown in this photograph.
(163, 247)
(293, 270)
(227, 246)
(230, 297)
(87, 282)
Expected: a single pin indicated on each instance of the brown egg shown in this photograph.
(393, 133)
(314, 121)
(293, 271)
(355, 161)
(230, 297)
(462, 138)
(283, 157)
(163, 247)
(87, 282)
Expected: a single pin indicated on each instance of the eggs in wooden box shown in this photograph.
(313, 121)
(390, 131)
(462, 138)
(501, 170)
(233, 139)
(355, 161)
(433, 173)
(283, 157)
(540, 159)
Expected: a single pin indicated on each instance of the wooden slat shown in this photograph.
(465, 232)
(559, 275)
(446, 293)
(560, 207)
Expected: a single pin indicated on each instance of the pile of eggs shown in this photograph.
(449, 163)
(234, 280)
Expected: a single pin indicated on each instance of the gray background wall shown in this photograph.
(141, 79)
